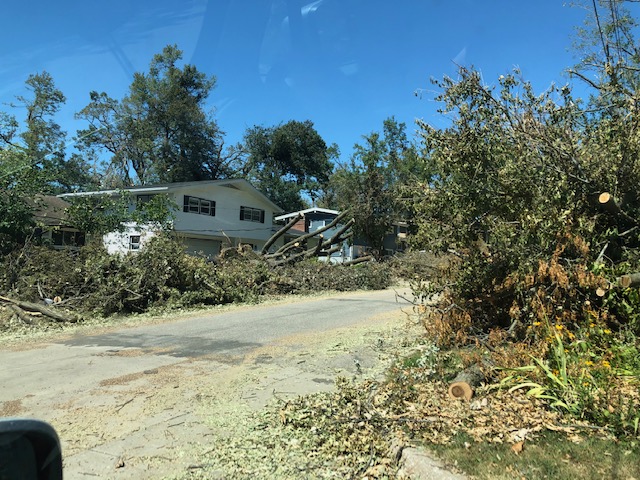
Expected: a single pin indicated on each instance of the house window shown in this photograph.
(145, 198)
(134, 242)
(199, 205)
(249, 214)
(67, 238)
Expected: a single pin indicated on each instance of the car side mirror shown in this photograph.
(29, 449)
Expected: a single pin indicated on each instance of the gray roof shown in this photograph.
(239, 183)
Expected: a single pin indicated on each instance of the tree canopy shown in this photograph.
(159, 132)
(287, 162)
(33, 158)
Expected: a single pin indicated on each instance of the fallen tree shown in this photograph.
(19, 307)
(300, 249)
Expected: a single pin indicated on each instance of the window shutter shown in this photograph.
(241, 213)
(185, 205)
(261, 216)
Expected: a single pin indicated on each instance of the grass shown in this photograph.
(549, 456)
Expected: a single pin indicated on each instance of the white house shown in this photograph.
(211, 214)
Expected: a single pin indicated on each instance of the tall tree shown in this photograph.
(370, 186)
(161, 131)
(45, 166)
(290, 162)
(33, 158)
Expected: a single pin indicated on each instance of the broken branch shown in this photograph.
(34, 307)
(281, 232)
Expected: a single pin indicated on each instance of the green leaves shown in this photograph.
(161, 130)
(370, 186)
(101, 214)
(287, 161)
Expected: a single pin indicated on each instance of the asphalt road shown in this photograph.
(144, 402)
(54, 373)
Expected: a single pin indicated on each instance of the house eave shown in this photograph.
(306, 211)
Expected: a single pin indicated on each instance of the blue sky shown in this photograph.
(346, 65)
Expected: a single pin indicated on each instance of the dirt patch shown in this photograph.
(121, 380)
(11, 408)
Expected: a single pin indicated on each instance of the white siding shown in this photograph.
(206, 233)
(226, 222)
(119, 242)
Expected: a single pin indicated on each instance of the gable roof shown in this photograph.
(49, 210)
(308, 210)
(236, 183)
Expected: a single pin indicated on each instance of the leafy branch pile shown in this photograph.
(536, 195)
(360, 429)
(162, 275)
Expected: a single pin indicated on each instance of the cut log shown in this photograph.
(34, 307)
(462, 387)
(630, 280)
(608, 202)
(358, 260)
(22, 316)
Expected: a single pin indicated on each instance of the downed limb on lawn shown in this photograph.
(18, 312)
(34, 307)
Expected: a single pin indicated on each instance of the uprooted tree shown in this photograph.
(304, 246)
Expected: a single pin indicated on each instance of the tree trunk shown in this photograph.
(281, 232)
(608, 202)
(306, 236)
(338, 236)
(24, 318)
(356, 261)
